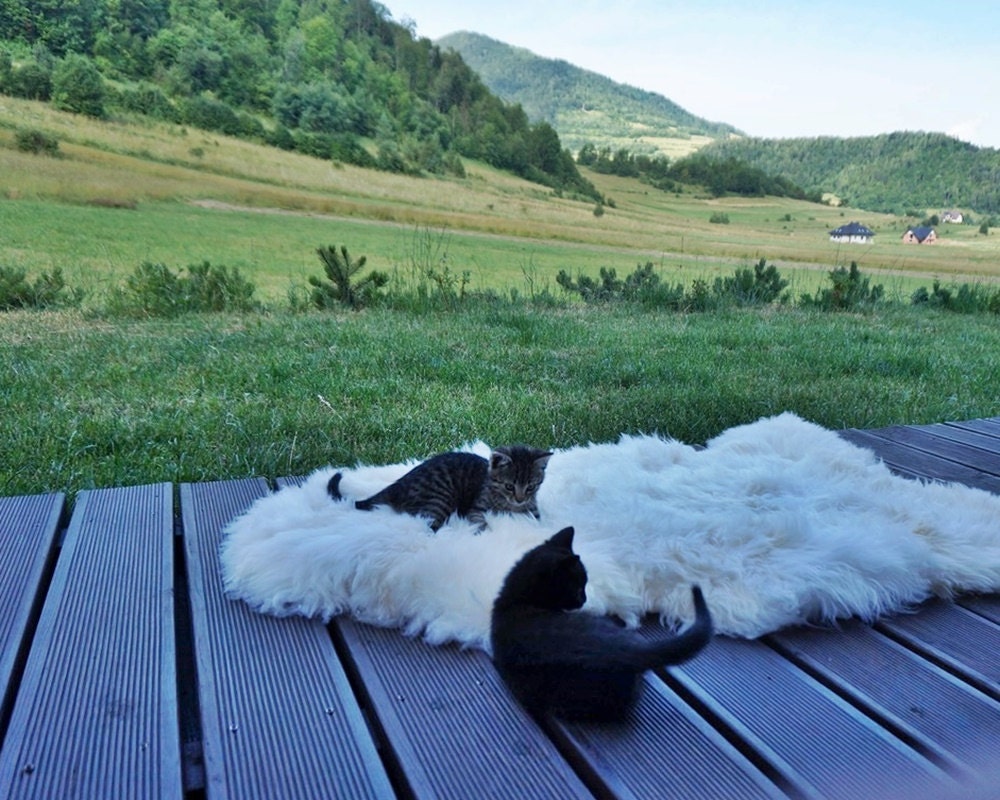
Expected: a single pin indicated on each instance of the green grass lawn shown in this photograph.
(97, 403)
(91, 399)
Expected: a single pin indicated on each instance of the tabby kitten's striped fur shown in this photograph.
(464, 484)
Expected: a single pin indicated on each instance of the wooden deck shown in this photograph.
(125, 673)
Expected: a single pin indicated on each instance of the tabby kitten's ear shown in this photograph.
(498, 459)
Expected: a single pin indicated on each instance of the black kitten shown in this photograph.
(463, 484)
(575, 665)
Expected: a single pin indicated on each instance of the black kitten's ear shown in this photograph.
(563, 539)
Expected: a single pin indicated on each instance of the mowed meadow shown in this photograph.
(92, 399)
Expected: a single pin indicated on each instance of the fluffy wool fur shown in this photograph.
(779, 521)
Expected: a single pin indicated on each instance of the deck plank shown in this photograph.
(662, 750)
(989, 427)
(912, 462)
(450, 722)
(943, 715)
(981, 458)
(279, 718)
(820, 744)
(28, 529)
(96, 714)
(986, 605)
(961, 640)
(963, 436)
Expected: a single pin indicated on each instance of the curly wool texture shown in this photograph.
(780, 521)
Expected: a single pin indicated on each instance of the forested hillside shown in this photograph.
(895, 172)
(333, 78)
(584, 107)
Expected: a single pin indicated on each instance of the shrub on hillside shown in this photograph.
(964, 299)
(154, 290)
(343, 287)
(31, 81)
(850, 292)
(77, 86)
(761, 286)
(205, 112)
(31, 140)
(149, 99)
(47, 290)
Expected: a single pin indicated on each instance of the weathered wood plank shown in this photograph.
(279, 718)
(946, 448)
(450, 723)
(960, 640)
(911, 462)
(882, 449)
(28, 529)
(990, 427)
(942, 715)
(964, 436)
(821, 746)
(96, 715)
(986, 605)
(663, 750)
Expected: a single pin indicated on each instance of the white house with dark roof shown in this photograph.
(853, 232)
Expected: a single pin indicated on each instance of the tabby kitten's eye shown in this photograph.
(509, 487)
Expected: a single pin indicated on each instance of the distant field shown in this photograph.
(124, 193)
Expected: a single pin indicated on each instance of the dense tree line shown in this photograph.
(718, 176)
(893, 172)
(333, 78)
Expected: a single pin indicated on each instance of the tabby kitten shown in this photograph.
(575, 665)
(465, 484)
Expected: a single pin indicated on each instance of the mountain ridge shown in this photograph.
(585, 107)
(896, 172)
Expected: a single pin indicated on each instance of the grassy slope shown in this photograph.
(499, 225)
(97, 402)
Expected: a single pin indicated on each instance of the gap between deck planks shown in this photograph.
(289, 708)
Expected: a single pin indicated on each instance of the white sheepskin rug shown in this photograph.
(779, 521)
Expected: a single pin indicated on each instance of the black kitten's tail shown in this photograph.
(685, 645)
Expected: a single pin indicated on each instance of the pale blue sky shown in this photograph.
(776, 69)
